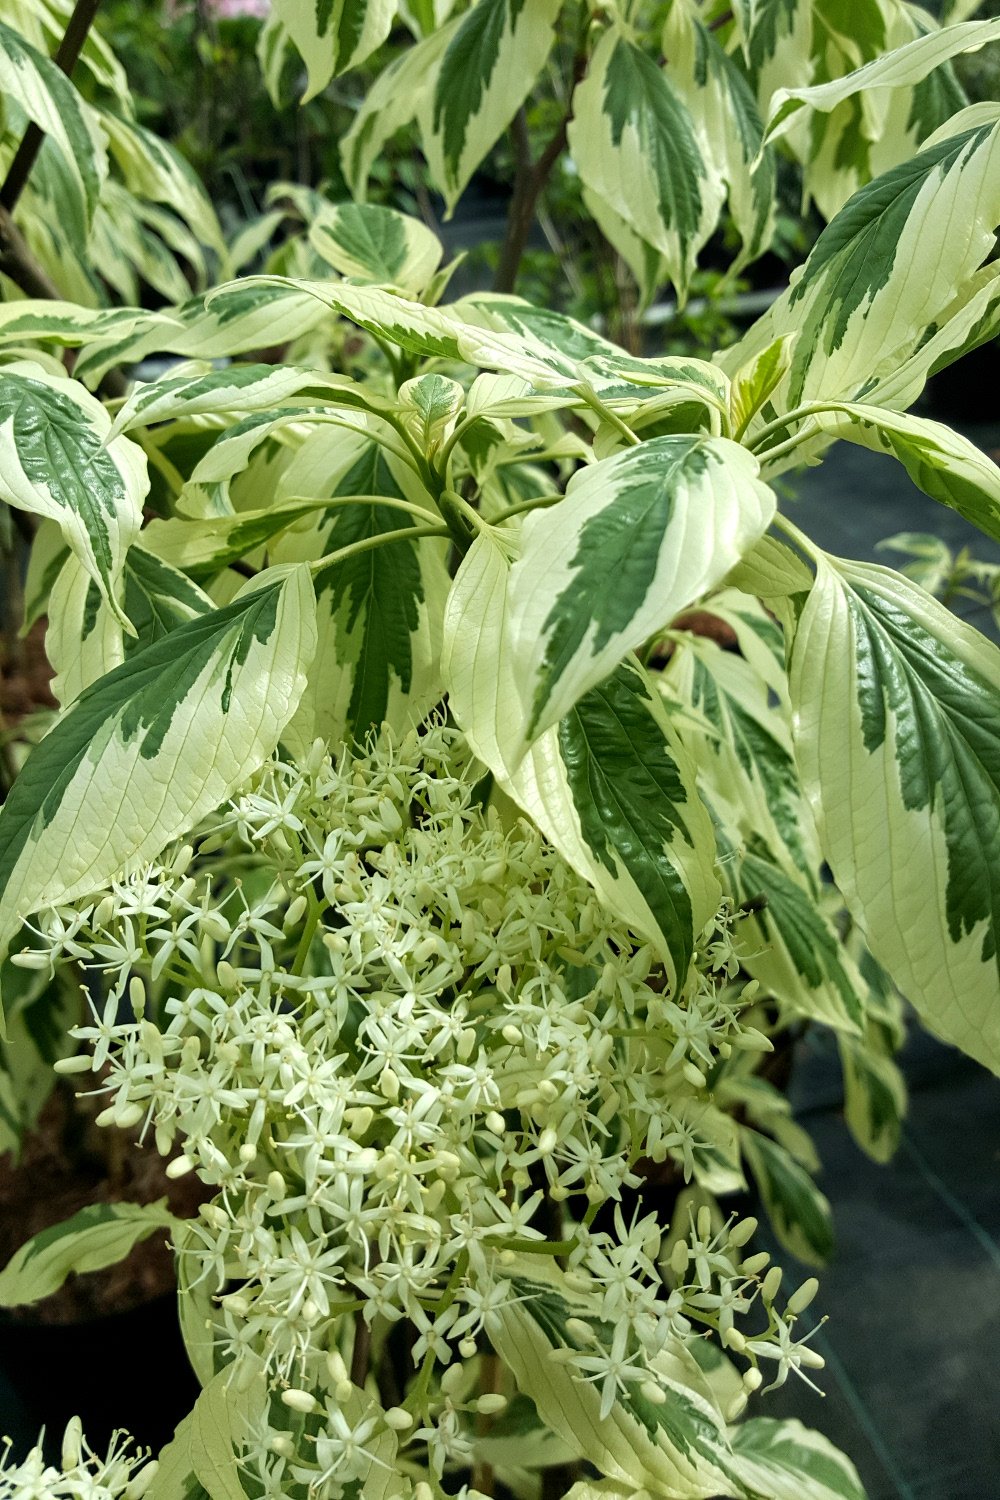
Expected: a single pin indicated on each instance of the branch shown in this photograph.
(529, 181)
(68, 51)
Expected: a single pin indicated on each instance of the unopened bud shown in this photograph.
(733, 1339)
(771, 1285)
(547, 1141)
(398, 1418)
(296, 911)
(743, 1231)
(72, 1443)
(137, 996)
(302, 1401)
(512, 1034)
(800, 1300)
(388, 1084)
(704, 1223)
(282, 1444)
(492, 1404)
(495, 1122)
(694, 1075)
(679, 1257)
(452, 1379)
(276, 1186)
(226, 974)
(78, 1063)
(754, 1264)
(752, 1380)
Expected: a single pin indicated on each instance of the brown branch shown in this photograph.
(68, 51)
(529, 181)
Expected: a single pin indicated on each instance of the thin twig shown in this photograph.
(68, 51)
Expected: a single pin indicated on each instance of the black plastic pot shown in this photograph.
(127, 1371)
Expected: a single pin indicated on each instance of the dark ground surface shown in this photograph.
(913, 1294)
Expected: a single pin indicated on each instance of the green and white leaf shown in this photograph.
(884, 271)
(798, 1212)
(333, 35)
(152, 169)
(151, 748)
(874, 1096)
(898, 743)
(679, 1448)
(636, 539)
(486, 71)
(203, 548)
(636, 147)
(942, 463)
(900, 67)
(369, 243)
(237, 388)
(611, 785)
(390, 103)
(725, 113)
(786, 1461)
(57, 459)
(98, 1236)
(793, 948)
(42, 90)
(379, 612)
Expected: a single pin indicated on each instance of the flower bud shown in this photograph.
(800, 1300)
(491, 1404)
(467, 1348)
(733, 1339)
(704, 1223)
(226, 974)
(752, 1380)
(179, 1167)
(282, 1444)
(547, 1141)
(494, 1122)
(276, 1186)
(398, 1418)
(296, 911)
(771, 1285)
(137, 996)
(452, 1379)
(679, 1257)
(72, 1443)
(742, 1232)
(78, 1063)
(694, 1075)
(512, 1034)
(302, 1401)
(388, 1084)
(754, 1264)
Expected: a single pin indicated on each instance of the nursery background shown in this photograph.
(499, 723)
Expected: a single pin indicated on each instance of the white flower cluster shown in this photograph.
(122, 1474)
(402, 1041)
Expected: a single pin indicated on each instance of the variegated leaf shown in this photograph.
(748, 755)
(333, 35)
(67, 323)
(786, 1461)
(635, 146)
(940, 462)
(799, 1213)
(899, 67)
(47, 97)
(637, 537)
(369, 243)
(723, 108)
(898, 742)
(58, 460)
(238, 388)
(643, 259)
(232, 319)
(610, 785)
(792, 947)
(152, 169)
(487, 70)
(390, 103)
(98, 1236)
(882, 273)
(678, 1448)
(154, 746)
(203, 548)
(874, 1096)
(379, 612)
